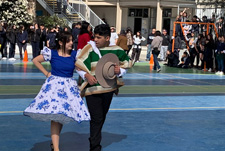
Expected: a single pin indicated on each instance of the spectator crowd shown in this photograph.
(204, 48)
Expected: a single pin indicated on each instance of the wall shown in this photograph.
(124, 18)
(109, 13)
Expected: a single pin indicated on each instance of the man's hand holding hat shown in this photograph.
(117, 69)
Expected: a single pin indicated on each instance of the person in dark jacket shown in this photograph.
(11, 36)
(220, 25)
(51, 37)
(165, 44)
(208, 53)
(2, 38)
(149, 42)
(172, 57)
(177, 44)
(75, 33)
(185, 61)
(3, 48)
(35, 34)
(195, 27)
(220, 55)
(43, 36)
(22, 39)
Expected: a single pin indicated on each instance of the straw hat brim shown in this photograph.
(104, 71)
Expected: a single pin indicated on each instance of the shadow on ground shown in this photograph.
(75, 141)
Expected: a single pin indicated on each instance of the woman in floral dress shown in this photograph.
(59, 99)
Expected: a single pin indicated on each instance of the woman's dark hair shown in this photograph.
(103, 30)
(129, 30)
(11, 28)
(200, 36)
(211, 38)
(157, 33)
(21, 28)
(64, 37)
(84, 28)
(139, 35)
(122, 33)
(189, 35)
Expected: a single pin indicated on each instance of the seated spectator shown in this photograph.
(172, 57)
(185, 61)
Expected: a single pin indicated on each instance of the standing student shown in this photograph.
(98, 97)
(149, 42)
(51, 38)
(137, 46)
(192, 42)
(11, 35)
(208, 53)
(75, 33)
(43, 35)
(220, 55)
(122, 41)
(165, 44)
(22, 38)
(59, 99)
(84, 36)
(3, 41)
(35, 34)
(129, 35)
(114, 37)
(156, 47)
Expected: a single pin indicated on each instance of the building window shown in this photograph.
(132, 12)
(167, 12)
(137, 12)
(145, 13)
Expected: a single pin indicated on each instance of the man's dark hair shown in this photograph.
(157, 33)
(102, 30)
(186, 53)
(84, 28)
(78, 23)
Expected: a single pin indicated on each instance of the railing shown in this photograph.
(74, 7)
(192, 23)
(85, 11)
(46, 6)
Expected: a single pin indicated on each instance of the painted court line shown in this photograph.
(167, 80)
(138, 109)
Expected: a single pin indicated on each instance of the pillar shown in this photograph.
(118, 17)
(159, 17)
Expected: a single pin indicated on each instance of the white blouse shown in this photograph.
(137, 40)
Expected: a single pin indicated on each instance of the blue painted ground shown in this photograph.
(136, 122)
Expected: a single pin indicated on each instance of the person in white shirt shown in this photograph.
(114, 36)
(137, 46)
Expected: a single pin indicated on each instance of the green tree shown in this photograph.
(49, 21)
(15, 12)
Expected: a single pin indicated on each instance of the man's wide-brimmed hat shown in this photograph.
(104, 71)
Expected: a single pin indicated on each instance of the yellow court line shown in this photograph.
(133, 109)
(2, 112)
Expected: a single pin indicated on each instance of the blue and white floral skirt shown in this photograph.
(58, 100)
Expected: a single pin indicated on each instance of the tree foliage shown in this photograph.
(15, 12)
(49, 21)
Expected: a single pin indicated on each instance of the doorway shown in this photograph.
(137, 25)
(166, 25)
